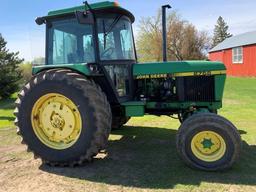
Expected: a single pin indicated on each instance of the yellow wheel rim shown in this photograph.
(208, 146)
(56, 121)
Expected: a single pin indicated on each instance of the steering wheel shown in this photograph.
(109, 50)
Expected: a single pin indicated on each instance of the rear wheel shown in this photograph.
(208, 142)
(64, 118)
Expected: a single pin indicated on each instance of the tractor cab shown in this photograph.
(97, 36)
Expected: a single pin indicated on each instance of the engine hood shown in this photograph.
(179, 68)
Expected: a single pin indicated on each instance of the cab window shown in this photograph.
(70, 42)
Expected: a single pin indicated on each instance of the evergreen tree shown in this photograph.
(220, 32)
(9, 70)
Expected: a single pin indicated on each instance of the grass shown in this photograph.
(240, 107)
(142, 155)
(6, 112)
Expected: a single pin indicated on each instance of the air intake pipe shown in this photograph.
(164, 7)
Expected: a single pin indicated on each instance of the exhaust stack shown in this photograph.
(164, 7)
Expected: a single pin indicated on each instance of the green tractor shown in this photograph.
(91, 83)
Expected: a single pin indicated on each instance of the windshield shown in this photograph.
(70, 42)
(115, 38)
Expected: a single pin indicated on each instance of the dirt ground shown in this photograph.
(21, 172)
(137, 159)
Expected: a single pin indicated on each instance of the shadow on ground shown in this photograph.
(5, 118)
(146, 158)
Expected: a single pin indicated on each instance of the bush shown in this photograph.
(26, 70)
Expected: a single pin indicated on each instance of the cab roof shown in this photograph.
(101, 6)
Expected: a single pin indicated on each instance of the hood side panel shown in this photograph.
(176, 67)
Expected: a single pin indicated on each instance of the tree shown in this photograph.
(184, 42)
(149, 41)
(220, 32)
(9, 70)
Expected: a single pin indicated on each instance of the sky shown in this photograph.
(18, 28)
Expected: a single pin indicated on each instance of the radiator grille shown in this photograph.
(199, 88)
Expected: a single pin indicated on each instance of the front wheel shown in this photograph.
(208, 142)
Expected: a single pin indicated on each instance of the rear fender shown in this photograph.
(85, 70)
(80, 68)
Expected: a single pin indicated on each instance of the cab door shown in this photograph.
(116, 51)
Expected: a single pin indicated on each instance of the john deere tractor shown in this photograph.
(92, 83)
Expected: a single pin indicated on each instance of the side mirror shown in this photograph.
(84, 17)
(40, 20)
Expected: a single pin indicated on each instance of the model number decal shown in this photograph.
(203, 73)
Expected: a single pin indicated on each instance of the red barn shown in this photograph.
(238, 53)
